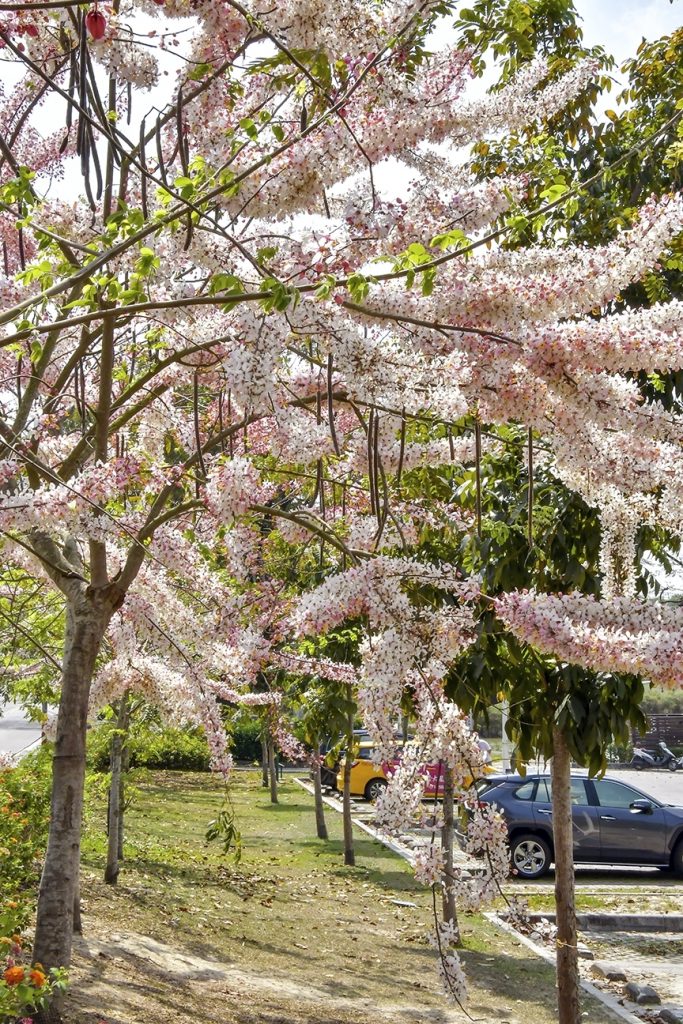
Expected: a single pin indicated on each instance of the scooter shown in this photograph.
(662, 757)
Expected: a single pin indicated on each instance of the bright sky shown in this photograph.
(621, 24)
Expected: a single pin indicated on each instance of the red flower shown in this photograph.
(96, 24)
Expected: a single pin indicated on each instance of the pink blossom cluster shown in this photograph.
(624, 634)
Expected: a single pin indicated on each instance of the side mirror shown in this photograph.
(641, 807)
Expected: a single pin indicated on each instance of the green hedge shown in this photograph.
(160, 748)
(246, 739)
(662, 702)
(150, 747)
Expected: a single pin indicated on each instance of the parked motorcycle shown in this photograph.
(662, 757)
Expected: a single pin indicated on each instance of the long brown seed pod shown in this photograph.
(402, 448)
(477, 473)
(330, 404)
(376, 467)
(371, 462)
(197, 432)
(530, 495)
(143, 164)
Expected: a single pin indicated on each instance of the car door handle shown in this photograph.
(607, 817)
(541, 811)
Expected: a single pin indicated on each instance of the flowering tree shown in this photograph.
(240, 339)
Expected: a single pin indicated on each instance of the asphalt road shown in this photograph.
(16, 734)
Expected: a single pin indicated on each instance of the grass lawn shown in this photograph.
(289, 935)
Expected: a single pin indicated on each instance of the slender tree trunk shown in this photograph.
(264, 762)
(78, 924)
(272, 771)
(115, 822)
(567, 954)
(349, 854)
(320, 826)
(86, 622)
(125, 767)
(447, 839)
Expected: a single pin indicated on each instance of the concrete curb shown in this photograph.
(622, 922)
(604, 997)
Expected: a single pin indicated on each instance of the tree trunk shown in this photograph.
(264, 762)
(78, 924)
(447, 839)
(86, 622)
(349, 855)
(272, 771)
(115, 822)
(320, 826)
(567, 953)
(125, 767)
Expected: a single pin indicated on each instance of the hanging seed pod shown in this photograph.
(530, 495)
(477, 471)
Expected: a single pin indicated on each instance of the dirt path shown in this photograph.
(127, 978)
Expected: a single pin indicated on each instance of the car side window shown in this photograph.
(544, 793)
(615, 794)
(526, 792)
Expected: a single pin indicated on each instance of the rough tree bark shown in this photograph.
(115, 816)
(87, 616)
(349, 854)
(272, 771)
(449, 912)
(567, 953)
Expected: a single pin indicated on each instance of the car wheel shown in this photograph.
(677, 858)
(530, 856)
(374, 788)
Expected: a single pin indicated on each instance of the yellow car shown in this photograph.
(368, 779)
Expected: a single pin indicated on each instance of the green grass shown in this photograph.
(291, 909)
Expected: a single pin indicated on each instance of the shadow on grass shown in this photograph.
(511, 979)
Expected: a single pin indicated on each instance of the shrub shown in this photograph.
(24, 987)
(245, 736)
(24, 818)
(155, 747)
(150, 747)
(662, 702)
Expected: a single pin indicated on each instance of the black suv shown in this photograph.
(613, 823)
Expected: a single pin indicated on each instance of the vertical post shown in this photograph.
(447, 838)
(264, 760)
(565, 910)
(111, 871)
(272, 771)
(349, 854)
(320, 825)
(505, 740)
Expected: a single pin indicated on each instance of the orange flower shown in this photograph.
(14, 975)
(37, 977)
(17, 939)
